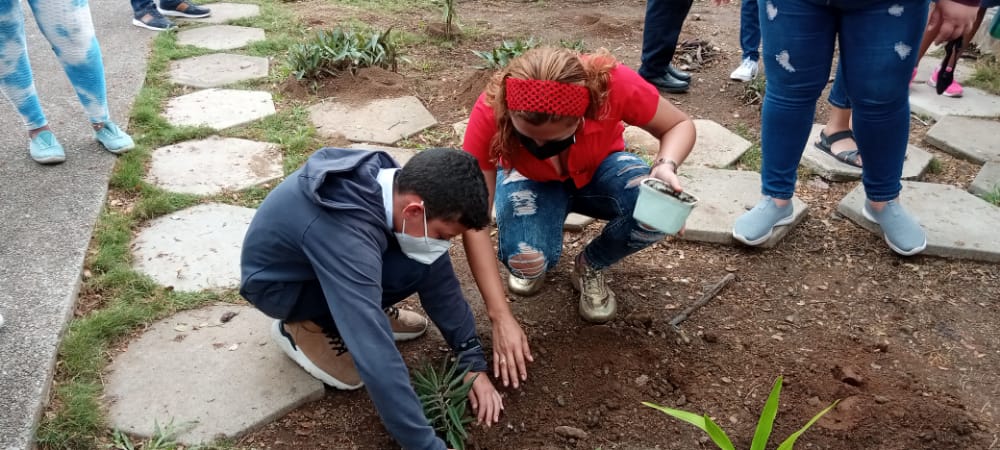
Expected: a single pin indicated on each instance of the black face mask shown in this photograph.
(547, 150)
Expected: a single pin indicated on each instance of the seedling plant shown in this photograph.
(445, 398)
(764, 425)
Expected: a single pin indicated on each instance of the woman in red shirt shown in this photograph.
(548, 136)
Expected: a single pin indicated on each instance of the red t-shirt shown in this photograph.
(630, 99)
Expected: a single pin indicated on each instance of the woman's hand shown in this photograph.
(667, 173)
(484, 398)
(511, 353)
(951, 20)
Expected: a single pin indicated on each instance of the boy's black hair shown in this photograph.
(451, 185)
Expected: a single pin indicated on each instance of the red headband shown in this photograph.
(546, 96)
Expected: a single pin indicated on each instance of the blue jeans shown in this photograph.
(878, 46)
(663, 22)
(530, 214)
(750, 30)
(838, 93)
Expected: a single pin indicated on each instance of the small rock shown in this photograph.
(814, 401)
(882, 347)
(545, 389)
(731, 269)
(703, 440)
(560, 400)
(697, 17)
(818, 184)
(726, 380)
(790, 318)
(227, 316)
(881, 399)
(642, 380)
(848, 375)
(571, 432)
(681, 401)
(710, 337)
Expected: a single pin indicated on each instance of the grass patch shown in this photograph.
(993, 196)
(128, 299)
(935, 166)
(752, 159)
(987, 75)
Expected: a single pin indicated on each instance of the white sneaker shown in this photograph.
(746, 71)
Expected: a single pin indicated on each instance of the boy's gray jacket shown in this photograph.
(327, 222)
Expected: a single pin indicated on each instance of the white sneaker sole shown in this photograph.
(764, 238)
(741, 79)
(140, 24)
(399, 337)
(922, 247)
(50, 160)
(300, 358)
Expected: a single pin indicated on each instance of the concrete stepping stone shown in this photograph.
(213, 165)
(830, 168)
(577, 222)
(208, 373)
(195, 248)
(459, 128)
(988, 179)
(958, 224)
(974, 103)
(228, 12)
(220, 37)
(218, 108)
(217, 69)
(382, 121)
(975, 140)
(723, 196)
(716, 146)
(401, 155)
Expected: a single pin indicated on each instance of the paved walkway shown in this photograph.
(51, 219)
(47, 214)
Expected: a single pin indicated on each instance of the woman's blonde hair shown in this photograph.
(553, 64)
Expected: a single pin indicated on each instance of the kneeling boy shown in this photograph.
(343, 239)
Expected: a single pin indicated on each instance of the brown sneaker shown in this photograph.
(406, 325)
(597, 302)
(523, 286)
(320, 352)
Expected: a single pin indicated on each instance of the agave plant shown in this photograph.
(330, 53)
(764, 425)
(499, 57)
(445, 397)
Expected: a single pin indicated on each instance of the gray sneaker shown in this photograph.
(597, 301)
(756, 226)
(901, 231)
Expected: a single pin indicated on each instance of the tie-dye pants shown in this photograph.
(70, 31)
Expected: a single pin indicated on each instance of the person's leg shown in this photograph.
(610, 196)
(70, 30)
(871, 39)
(798, 39)
(836, 137)
(530, 218)
(18, 85)
(663, 23)
(749, 41)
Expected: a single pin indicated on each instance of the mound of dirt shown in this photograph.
(368, 84)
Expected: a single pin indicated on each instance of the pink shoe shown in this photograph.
(955, 90)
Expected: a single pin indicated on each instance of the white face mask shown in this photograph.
(422, 250)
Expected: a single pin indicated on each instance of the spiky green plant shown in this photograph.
(444, 397)
(499, 57)
(764, 425)
(330, 53)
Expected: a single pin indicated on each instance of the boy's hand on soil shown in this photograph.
(951, 19)
(484, 398)
(511, 352)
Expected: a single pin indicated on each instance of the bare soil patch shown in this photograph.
(909, 345)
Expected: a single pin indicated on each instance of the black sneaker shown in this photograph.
(152, 20)
(669, 83)
(183, 8)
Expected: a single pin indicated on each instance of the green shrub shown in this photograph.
(444, 397)
(764, 425)
(499, 57)
(330, 53)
